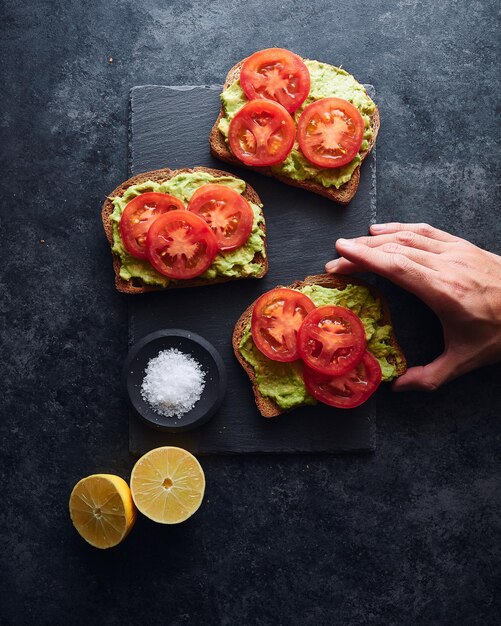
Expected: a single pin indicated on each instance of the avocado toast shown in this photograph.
(337, 184)
(134, 276)
(279, 387)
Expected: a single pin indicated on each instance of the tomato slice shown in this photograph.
(276, 319)
(348, 390)
(331, 340)
(139, 215)
(180, 245)
(261, 133)
(276, 74)
(330, 132)
(227, 212)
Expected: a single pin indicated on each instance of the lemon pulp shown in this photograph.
(167, 485)
(102, 509)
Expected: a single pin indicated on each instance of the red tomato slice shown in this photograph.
(330, 132)
(276, 74)
(139, 215)
(276, 319)
(180, 245)
(348, 390)
(227, 212)
(261, 133)
(331, 340)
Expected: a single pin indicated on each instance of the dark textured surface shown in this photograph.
(170, 126)
(409, 535)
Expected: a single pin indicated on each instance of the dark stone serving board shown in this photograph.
(169, 127)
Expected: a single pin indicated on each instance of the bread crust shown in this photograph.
(159, 176)
(266, 406)
(343, 195)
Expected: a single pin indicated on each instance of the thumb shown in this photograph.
(428, 377)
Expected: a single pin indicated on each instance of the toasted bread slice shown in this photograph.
(343, 195)
(135, 286)
(266, 406)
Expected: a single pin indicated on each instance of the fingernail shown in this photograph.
(331, 265)
(346, 243)
(378, 227)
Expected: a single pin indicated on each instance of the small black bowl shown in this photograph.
(197, 347)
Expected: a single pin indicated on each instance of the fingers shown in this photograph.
(408, 239)
(421, 229)
(342, 266)
(397, 267)
(428, 377)
(422, 257)
(398, 239)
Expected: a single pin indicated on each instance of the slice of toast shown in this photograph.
(219, 149)
(267, 407)
(135, 285)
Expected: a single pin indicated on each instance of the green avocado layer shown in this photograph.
(233, 263)
(283, 382)
(327, 81)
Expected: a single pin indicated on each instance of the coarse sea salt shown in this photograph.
(173, 383)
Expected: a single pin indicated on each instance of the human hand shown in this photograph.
(460, 282)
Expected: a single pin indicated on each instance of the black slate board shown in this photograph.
(169, 127)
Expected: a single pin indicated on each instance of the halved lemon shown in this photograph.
(167, 485)
(102, 509)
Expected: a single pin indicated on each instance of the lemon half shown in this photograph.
(102, 509)
(167, 485)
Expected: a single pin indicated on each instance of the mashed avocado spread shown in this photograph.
(233, 263)
(283, 382)
(326, 81)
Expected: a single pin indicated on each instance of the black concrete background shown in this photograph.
(409, 535)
